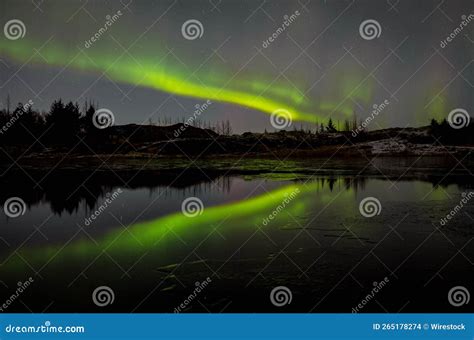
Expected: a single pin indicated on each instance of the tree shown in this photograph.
(63, 122)
(331, 127)
(31, 122)
(8, 103)
(87, 120)
(227, 128)
(346, 125)
(434, 123)
(354, 123)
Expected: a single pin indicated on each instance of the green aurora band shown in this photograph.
(157, 73)
(158, 236)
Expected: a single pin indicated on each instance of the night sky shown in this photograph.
(142, 67)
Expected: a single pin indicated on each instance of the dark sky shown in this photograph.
(319, 66)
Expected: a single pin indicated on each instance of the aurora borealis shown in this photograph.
(165, 79)
(319, 68)
(310, 147)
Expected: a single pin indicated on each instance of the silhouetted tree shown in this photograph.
(227, 128)
(63, 122)
(8, 103)
(346, 125)
(331, 127)
(87, 119)
(354, 123)
(22, 126)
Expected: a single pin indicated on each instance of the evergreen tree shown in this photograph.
(331, 127)
(88, 119)
(63, 122)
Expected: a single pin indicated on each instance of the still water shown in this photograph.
(252, 233)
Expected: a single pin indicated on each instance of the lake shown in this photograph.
(299, 225)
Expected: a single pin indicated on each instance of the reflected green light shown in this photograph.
(160, 234)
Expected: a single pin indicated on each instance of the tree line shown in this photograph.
(452, 134)
(63, 124)
(66, 122)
